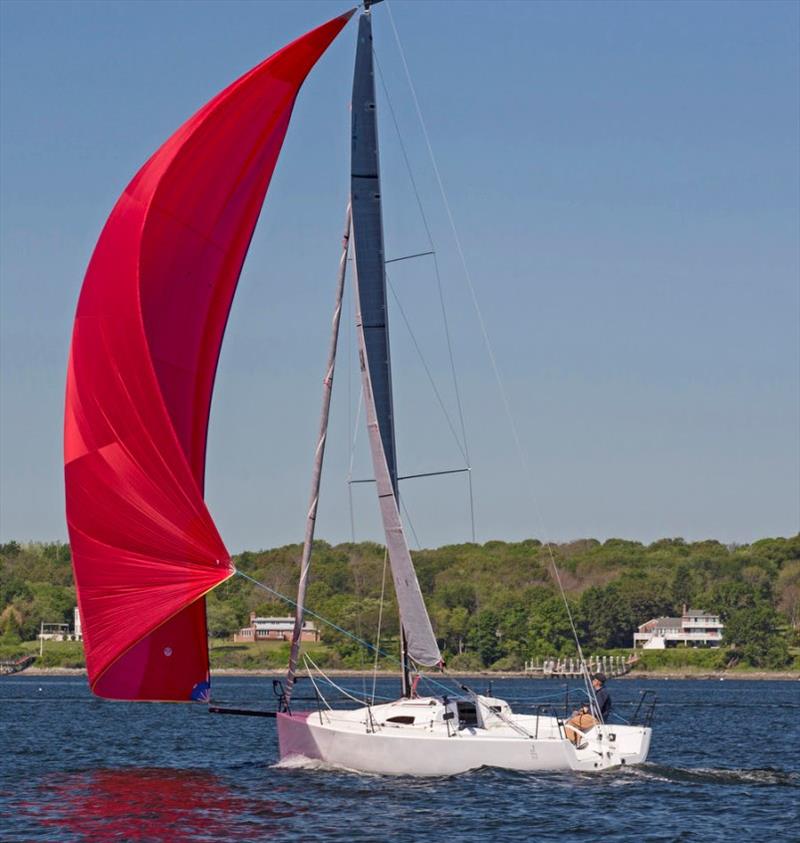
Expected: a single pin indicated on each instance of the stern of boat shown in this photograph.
(612, 746)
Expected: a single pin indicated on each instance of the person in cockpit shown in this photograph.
(588, 715)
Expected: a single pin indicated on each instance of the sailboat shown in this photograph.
(147, 336)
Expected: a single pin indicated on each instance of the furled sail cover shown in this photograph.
(145, 345)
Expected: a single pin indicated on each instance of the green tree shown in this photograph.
(753, 634)
(484, 638)
(10, 625)
(620, 583)
(451, 627)
(48, 604)
(459, 594)
(222, 619)
(684, 588)
(514, 632)
(787, 589)
(605, 617)
(729, 597)
(549, 630)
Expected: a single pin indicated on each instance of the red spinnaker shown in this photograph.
(145, 345)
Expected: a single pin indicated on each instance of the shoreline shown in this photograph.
(750, 675)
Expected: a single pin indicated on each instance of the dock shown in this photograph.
(611, 666)
(7, 668)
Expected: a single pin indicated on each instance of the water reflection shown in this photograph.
(151, 804)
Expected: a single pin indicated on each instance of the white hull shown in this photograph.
(367, 740)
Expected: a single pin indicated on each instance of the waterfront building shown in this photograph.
(695, 628)
(61, 631)
(275, 629)
(54, 632)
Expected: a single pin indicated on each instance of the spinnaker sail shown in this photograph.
(146, 340)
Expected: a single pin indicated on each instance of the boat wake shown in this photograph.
(300, 762)
(766, 776)
(760, 777)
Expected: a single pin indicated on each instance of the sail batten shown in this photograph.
(373, 340)
(148, 331)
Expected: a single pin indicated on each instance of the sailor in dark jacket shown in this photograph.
(588, 716)
(603, 699)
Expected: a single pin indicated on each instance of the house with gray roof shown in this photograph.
(695, 628)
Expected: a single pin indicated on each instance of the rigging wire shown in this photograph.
(336, 627)
(330, 681)
(425, 677)
(316, 689)
(439, 287)
(361, 651)
(313, 614)
(350, 490)
(490, 352)
(380, 623)
(350, 420)
(410, 523)
(429, 235)
(433, 249)
(436, 392)
(428, 372)
(350, 468)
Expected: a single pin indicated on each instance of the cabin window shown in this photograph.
(467, 716)
(401, 719)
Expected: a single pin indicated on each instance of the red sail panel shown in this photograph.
(145, 345)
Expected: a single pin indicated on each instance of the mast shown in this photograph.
(319, 454)
(416, 634)
(366, 184)
(365, 188)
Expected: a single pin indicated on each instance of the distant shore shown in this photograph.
(762, 675)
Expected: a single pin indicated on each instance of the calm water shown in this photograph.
(724, 765)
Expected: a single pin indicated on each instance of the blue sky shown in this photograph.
(624, 179)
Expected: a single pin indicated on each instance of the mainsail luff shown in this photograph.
(374, 356)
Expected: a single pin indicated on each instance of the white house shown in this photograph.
(61, 631)
(695, 628)
(275, 629)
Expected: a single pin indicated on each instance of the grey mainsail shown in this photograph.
(373, 339)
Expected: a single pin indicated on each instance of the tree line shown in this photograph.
(492, 605)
